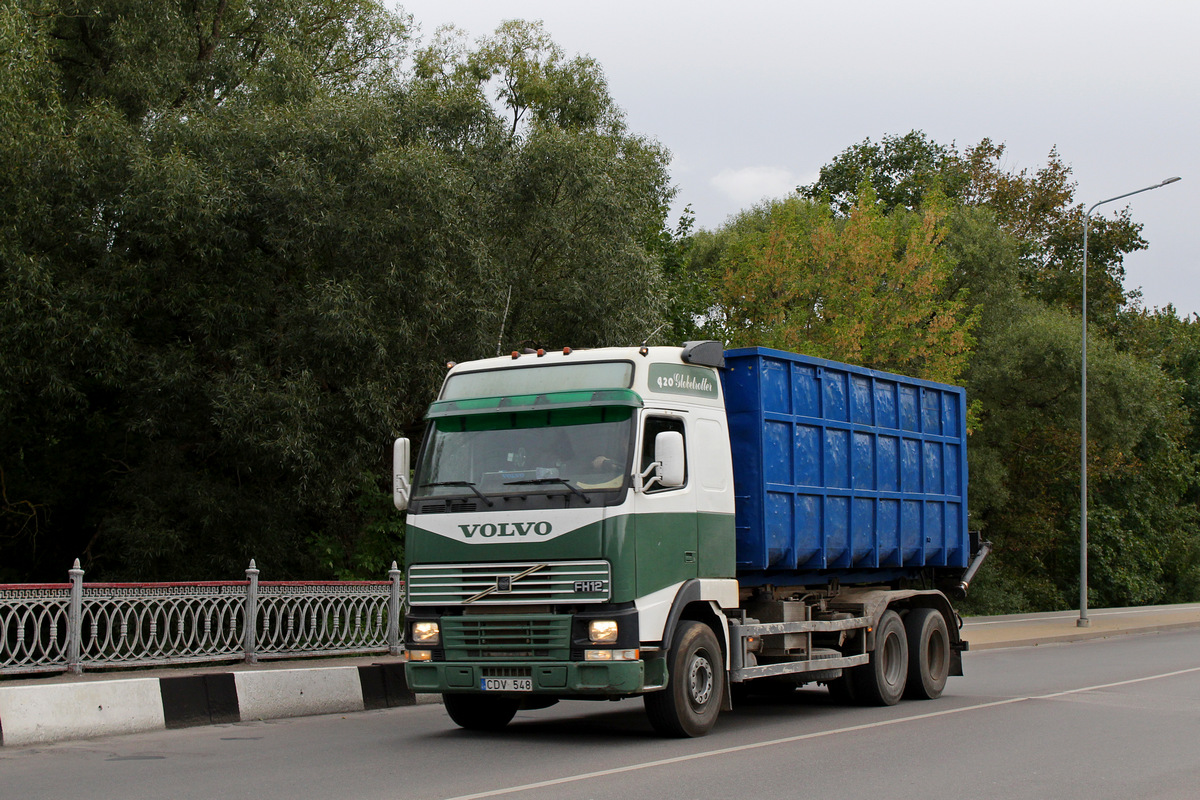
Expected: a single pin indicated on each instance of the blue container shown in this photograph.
(843, 472)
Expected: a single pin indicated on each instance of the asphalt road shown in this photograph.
(1105, 718)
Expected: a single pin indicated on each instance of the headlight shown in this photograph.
(602, 630)
(425, 633)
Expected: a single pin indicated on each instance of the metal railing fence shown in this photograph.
(76, 626)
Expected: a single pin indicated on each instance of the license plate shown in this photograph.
(506, 684)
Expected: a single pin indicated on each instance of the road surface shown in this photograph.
(1104, 718)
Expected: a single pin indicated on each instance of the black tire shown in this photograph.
(928, 653)
(696, 685)
(881, 681)
(480, 712)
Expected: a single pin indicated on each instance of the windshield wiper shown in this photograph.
(543, 481)
(465, 484)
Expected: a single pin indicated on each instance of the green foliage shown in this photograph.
(369, 551)
(231, 278)
(690, 269)
(1036, 208)
(146, 56)
(535, 82)
(1025, 464)
(869, 288)
(899, 169)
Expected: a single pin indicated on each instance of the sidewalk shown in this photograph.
(61, 707)
(1024, 630)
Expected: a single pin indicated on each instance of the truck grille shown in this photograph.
(505, 637)
(528, 583)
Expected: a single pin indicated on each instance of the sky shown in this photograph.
(752, 98)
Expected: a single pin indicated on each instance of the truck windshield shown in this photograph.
(568, 450)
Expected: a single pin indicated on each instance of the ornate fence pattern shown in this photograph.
(73, 626)
(34, 621)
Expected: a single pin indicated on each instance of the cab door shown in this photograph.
(666, 538)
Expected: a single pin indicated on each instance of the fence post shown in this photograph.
(393, 631)
(251, 613)
(75, 622)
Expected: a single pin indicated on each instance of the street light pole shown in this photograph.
(1083, 620)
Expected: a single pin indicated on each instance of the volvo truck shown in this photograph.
(688, 525)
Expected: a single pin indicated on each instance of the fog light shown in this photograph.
(419, 655)
(602, 630)
(611, 655)
(426, 633)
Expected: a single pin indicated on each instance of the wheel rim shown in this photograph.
(892, 658)
(935, 655)
(700, 680)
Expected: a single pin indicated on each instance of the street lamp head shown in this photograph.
(1169, 180)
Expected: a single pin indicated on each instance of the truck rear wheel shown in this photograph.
(882, 680)
(928, 653)
(480, 712)
(690, 703)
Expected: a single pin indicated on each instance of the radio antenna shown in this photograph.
(503, 319)
(651, 336)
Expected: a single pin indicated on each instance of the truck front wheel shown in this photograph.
(881, 681)
(695, 689)
(479, 712)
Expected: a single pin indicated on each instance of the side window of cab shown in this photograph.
(652, 427)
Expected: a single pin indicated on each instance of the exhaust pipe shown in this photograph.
(985, 548)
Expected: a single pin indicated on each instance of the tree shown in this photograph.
(231, 279)
(869, 289)
(1038, 209)
(1139, 519)
(536, 83)
(144, 56)
(574, 203)
(899, 169)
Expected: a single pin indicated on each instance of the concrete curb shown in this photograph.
(39, 714)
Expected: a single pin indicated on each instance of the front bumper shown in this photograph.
(596, 678)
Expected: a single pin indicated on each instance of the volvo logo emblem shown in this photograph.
(504, 583)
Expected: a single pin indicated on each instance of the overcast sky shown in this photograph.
(753, 98)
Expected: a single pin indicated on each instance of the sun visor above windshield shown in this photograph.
(534, 402)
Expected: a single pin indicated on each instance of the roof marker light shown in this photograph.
(516, 355)
(541, 352)
(451, 364)
(566, 351)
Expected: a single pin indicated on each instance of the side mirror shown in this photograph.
(668, 452)
(400, 465)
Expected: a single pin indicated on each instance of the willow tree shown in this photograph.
(239, 242)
